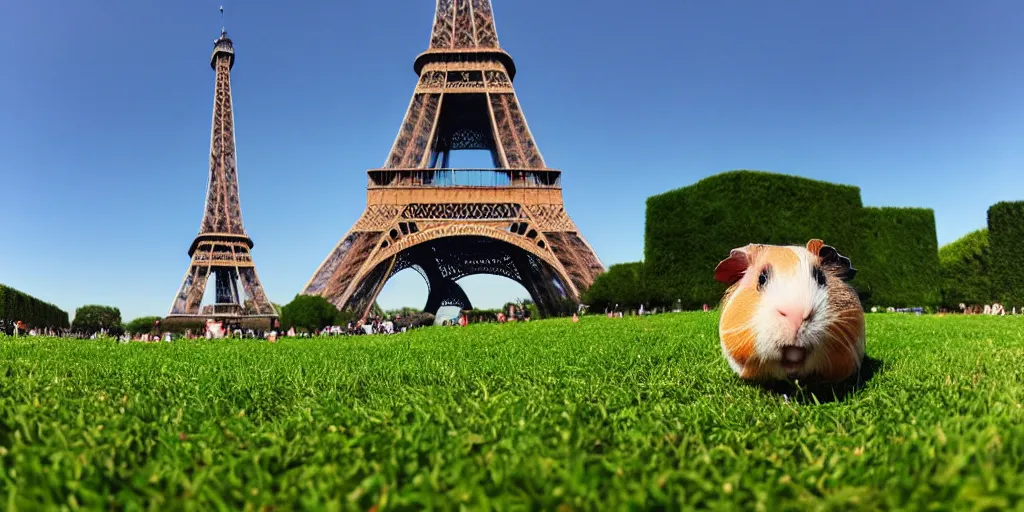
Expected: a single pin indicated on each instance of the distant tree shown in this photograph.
(92, 318)
(140, 325)
(624, 284)
(404, 311)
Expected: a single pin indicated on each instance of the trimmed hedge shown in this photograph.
(689, 230)
(901, 268)
(18, 306)
(966, 275)
(1006, 246)
(621, 284)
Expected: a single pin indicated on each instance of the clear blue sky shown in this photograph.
(105, 120)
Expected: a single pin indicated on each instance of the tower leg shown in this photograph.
(180, 300)
(579, 260)
(190, 295)
(254, 291)
(195, 295)
(367, 289)
(335, 274)
(442, 291)
(446, 292)
(539, 281)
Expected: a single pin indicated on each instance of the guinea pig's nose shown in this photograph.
(795, 316)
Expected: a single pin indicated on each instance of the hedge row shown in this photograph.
(689, 230)
(902, 258)
(17, 306)
(1006, 244)
(966, 276)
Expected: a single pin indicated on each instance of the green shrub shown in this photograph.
(689, 230)
(414, 320)
(482, 315)
(17, 306)
(1006, 246)
(966, 276)
(623, 285)
(901, 258)
(312, 313)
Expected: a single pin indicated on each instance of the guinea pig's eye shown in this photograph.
(763, 278)
(818, 276)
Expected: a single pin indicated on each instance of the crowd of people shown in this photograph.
(373, 325)
(18, 328)
(214, 329)
(514, 313)
(21, 328)
(995, 308)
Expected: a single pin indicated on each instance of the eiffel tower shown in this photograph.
(448, 223)
(222, 248)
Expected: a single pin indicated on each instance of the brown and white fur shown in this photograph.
(789, 313)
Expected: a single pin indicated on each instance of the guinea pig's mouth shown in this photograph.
(793, 357)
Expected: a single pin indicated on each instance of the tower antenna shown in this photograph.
(222, 29)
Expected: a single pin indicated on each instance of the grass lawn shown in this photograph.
(604, 414)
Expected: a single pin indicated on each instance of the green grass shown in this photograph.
(605, 414)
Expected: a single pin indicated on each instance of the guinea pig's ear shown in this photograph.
(814, 246)
(831, 259)
(732, 268)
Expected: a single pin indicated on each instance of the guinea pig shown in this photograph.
(790, 313)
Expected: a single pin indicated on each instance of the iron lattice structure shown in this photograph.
(449, 223)
(222, 249)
